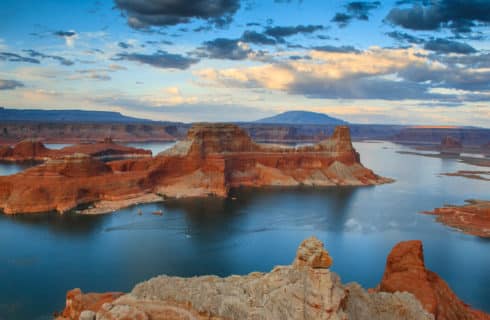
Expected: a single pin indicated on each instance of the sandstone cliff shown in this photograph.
(405, 271)
(307, 289)
(213, 159)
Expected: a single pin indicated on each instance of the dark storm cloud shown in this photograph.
(146, 13)
(405, 37)
(10, 84)
(222, 48)
(36, 54)
(460, 16)
(283, 32)
(448, 46)
(160, 59)
(355, 10)
(14, 57)
(257, 38)
(329, 48)
(124, 45)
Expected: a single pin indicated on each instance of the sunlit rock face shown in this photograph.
(472, 218)
(211, 160)
(307, 289)
(406, 272)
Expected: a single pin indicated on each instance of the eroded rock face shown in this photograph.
(213, 159)
(405, 272)
(472, 218)
(297, 292)
(88, 303)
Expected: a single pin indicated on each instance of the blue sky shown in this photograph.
(407, 62)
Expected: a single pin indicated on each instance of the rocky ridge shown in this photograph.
(307, 289)
(213, 159)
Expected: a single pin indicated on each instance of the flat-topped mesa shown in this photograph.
(208, 139)
(213, 159)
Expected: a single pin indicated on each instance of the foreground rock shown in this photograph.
(305, 290)
(213, 159)
(405, 272)
(472, 218)
(34, 150)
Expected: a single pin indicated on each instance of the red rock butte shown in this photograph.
(211, 160)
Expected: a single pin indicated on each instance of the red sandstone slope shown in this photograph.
(405, 271)
(472, 218)
(213, 159)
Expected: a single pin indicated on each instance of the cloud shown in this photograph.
(124, 45)
(405, 37)
(10, 84)
(36, 54)
(355, 10)
(286, 31)
(159, 59)
(69, 36)
(14, 57)
(146, 13)
(329, 48)
(257, 38)
(221, 48)
(448, 46)
(459, 16)
(375, 73)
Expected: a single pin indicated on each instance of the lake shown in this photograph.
(43, 256)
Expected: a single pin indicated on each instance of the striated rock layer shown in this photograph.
(405, 272)
(472, 218)
(305, 290)
(213, 159)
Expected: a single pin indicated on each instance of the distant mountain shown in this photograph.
(301, 117)
(64, 116)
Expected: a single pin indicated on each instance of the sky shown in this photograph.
(421, 62)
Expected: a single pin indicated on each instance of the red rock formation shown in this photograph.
(450, 145)
(29, 150)
(405, 271)
(76, 302)
(213, 159)
(472, 218)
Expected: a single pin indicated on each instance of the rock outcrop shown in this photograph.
(34, 150)
(450, 145)
(472, 218)
(305, 290)
(213, 159)
(406, 272)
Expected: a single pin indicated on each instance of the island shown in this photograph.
(472, 218)
(306, 289)
(212, 159)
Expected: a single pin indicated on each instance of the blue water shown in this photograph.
(43, 256)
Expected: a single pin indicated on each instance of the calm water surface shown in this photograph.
(43, 256)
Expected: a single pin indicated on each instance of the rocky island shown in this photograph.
(306, 289)
(35, 150)
(211, 160)
(472, 218)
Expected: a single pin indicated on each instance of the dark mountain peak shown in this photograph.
(302, 117)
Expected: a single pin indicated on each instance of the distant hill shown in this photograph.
(64, 116)
(301, 117)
